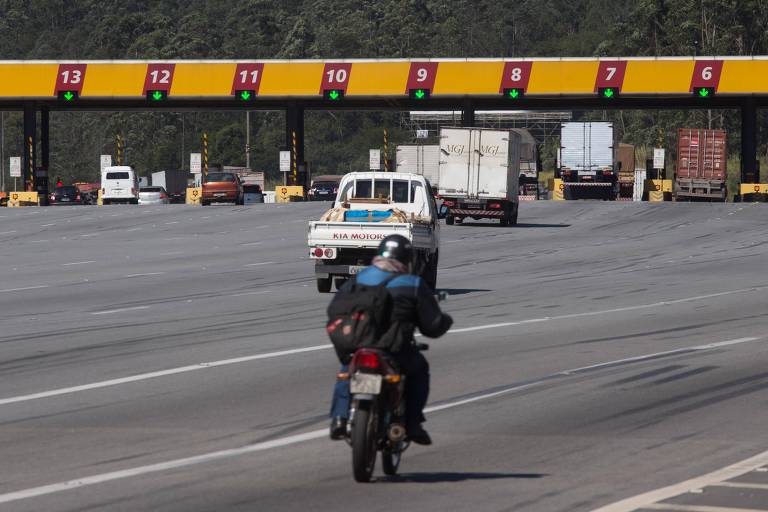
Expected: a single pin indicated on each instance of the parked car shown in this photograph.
(324, 188)
(222, 187)
(65, 195)
(153, 195)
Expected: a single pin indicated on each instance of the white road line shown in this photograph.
(76, 263)
(145, 274)
(741, 485)
(249, 293)
(700, 508)
(8, 232)
(133, 229)
(647, 499)
(172, 222)
(38, 241)
(24, 288)
(251, 243)
(120, 310)
(276, 443)
(259, 264)
(171, 253)
(47, 225)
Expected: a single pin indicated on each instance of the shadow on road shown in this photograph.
(433, 478)
(461, 291)
(518, 225)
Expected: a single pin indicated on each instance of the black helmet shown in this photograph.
(396, 247)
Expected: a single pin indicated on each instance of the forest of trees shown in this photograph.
(256, 29)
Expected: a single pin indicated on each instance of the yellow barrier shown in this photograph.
(753, 188)
(99, 200)
(17, 199)
(557, 187)
(193, 195)
(657, 188)
(284, 194)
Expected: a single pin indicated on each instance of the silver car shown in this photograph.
(153, 195)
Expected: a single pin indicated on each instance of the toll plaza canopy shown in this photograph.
(386, 81)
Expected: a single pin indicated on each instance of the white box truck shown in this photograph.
(423, 160)
(587, 160)
(479, 174)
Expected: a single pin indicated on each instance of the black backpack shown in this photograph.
(359, 316)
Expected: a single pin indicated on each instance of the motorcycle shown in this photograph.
(377, 412)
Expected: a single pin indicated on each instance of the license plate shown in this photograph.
(355, 269)
(322, 192)
(365, 383)
(65, 199)
(473, 207)
(219, 194)
(587, 173)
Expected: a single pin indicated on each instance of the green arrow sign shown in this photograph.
(245, 95)
(68, 96)
(157, 95)
(334, 95)
(514, 93)
(608, 93)
(419, 93)
(703, 92)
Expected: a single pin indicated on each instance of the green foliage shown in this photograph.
(339, 141)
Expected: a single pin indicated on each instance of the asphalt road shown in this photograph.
(174, 358)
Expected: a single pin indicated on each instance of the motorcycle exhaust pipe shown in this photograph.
(396, 432)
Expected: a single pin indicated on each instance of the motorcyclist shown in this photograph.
(414, 305)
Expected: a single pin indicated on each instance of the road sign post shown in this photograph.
(104, 162)
(195, 163)
(658, 158)
(285, 165)
(15, 168)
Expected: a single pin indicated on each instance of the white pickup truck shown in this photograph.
(369, 207)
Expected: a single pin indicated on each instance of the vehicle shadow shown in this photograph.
(518, 225)
(442, 477)
(461, 291)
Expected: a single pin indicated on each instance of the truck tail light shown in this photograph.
(329, 253)
(449, 203)
(494, 206)
(318, 252)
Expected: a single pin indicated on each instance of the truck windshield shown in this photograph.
(394, 190)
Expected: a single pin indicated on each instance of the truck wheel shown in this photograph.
(324, 284)
(503, 222)
(449, 220)
(513, 220)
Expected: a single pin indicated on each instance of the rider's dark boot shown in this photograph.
(417, 434)
(338, 428)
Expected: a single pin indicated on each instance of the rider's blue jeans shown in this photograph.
(416, 369)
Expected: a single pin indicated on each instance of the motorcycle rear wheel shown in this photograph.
(363, 444)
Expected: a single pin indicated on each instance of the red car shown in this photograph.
(222, 187)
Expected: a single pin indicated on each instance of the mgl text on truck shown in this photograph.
(370, 206)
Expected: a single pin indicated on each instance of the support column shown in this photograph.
(43, 178)
(749, 172)
(294, 141)
(29, 158)
(468, 115)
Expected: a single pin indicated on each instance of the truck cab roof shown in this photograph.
(385, 190)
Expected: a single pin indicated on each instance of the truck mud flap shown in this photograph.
(575, 191)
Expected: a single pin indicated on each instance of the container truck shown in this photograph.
(421, 159)
(479, 174)
(701, 165)
(587, 160)
(530, 164)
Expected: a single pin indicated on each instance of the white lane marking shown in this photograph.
(47, 225)
(259, 264)
(133, 229)
(24, 288)
(741, 485)
(171, 253)
(90, 234)
(669, 507)
(160, 373)
(76, 263)
(38, 241)
(248, 293)
(146, 274)
(172, 222)
(608, 311)
(8, 232)
(120, 310)
(251, 243)
(276, 443)
(647, 499)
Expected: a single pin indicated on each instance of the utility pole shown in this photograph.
(248, 140)
(2, 151)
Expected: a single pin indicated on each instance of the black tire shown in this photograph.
(363, 444)
(105, 202)
(390, 461)
(513, 219)
(339, 282)
(324, 284)
(449, 220)
(503, 222)
(430, 272)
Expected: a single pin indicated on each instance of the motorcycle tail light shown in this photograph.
(392, 379)
(367, 360)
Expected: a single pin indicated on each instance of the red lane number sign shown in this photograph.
(421, 76)
(706, 73)
(159, 77)
(336, 76)
(70, 78)
(610, 73)
(516, 75)
(247, 77)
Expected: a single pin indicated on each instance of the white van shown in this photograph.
(119, 184)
